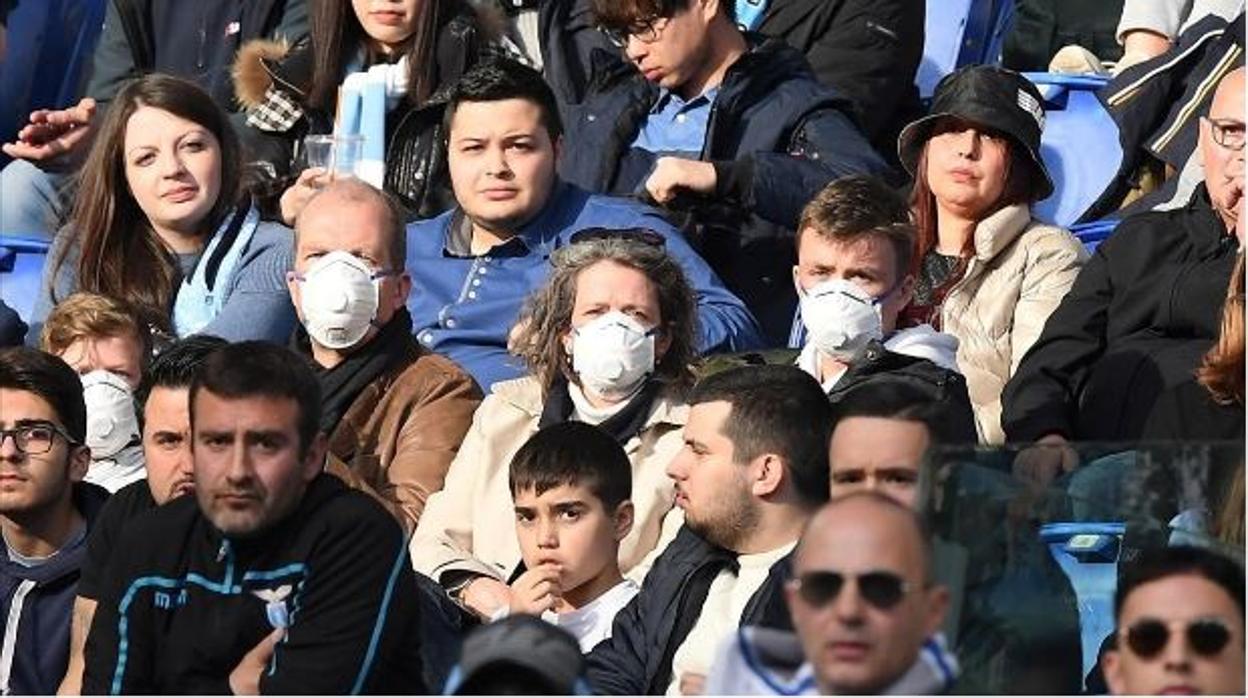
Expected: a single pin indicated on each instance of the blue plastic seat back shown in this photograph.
(1088, 555)
(1094, 233)
(956, 33)
(50, 44)
(1079, 145)
(21, 269)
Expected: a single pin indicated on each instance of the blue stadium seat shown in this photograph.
(21, 268)
(956, 33)
(1088, 555)
(50, 43)
(1094, 233)
(1079, 145)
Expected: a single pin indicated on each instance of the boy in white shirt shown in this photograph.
(571, 485)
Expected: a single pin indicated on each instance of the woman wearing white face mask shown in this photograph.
(608, 341)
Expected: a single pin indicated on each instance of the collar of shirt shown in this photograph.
(669, 100)
(530, 235)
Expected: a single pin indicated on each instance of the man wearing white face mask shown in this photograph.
(394, 412)
(854, 249)
(102, 339)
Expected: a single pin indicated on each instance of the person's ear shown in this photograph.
(314, 459)
(662, 342)
(768, 474)
(623, 519)
(79, 462)
(790, 597)
(402, 289)
(1112, 668)
(905, 291)
(797, 280)
(710, 8)
(937, 607)
(557, 146)
(296, 297)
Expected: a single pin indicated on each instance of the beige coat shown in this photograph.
(470, 524)
(1019, 273)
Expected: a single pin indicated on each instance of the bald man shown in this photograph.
(865, 608)
(394, 412)
(1141, 313)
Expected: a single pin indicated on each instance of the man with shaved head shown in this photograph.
(1142, 312)
(864, 605)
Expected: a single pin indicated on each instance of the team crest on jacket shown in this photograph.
(275, 605)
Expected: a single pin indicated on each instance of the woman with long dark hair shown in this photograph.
(988, 273)
(161, 221)
(291, 92)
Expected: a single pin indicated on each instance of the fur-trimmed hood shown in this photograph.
(254, 69)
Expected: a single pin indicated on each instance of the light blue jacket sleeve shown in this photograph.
(258, 304)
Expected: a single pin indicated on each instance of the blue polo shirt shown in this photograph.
(463, 305)
(675, 126)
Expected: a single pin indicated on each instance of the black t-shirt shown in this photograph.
(127, 503)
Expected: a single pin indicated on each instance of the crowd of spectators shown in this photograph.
(627, 357)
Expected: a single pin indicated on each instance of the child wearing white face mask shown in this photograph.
(103, 340)
(609, 342)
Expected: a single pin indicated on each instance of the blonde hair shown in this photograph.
(91, 316)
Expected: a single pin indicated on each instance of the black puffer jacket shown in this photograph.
(1136, 322)
(875, 365)
(637, 658)
(415, 155)
(775, 136)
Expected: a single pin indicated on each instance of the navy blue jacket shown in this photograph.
(637, 658)
(43, 598)
(181, 603)
(776, 137)
(464, 307)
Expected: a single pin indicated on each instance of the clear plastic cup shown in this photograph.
(337, 155)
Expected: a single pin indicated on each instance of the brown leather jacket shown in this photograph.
(398, 438)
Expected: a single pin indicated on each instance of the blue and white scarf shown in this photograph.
(364, 101)
(750, 13)
(202, 294)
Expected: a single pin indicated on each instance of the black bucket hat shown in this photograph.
(994, 97)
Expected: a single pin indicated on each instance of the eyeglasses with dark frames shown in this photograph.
(647, 31)
(881, 589)
(1149, 636)
(1228, 133)
(35, 438)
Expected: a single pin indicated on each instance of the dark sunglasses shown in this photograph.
(1148, 637)
(883, 590)
(643, 235)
